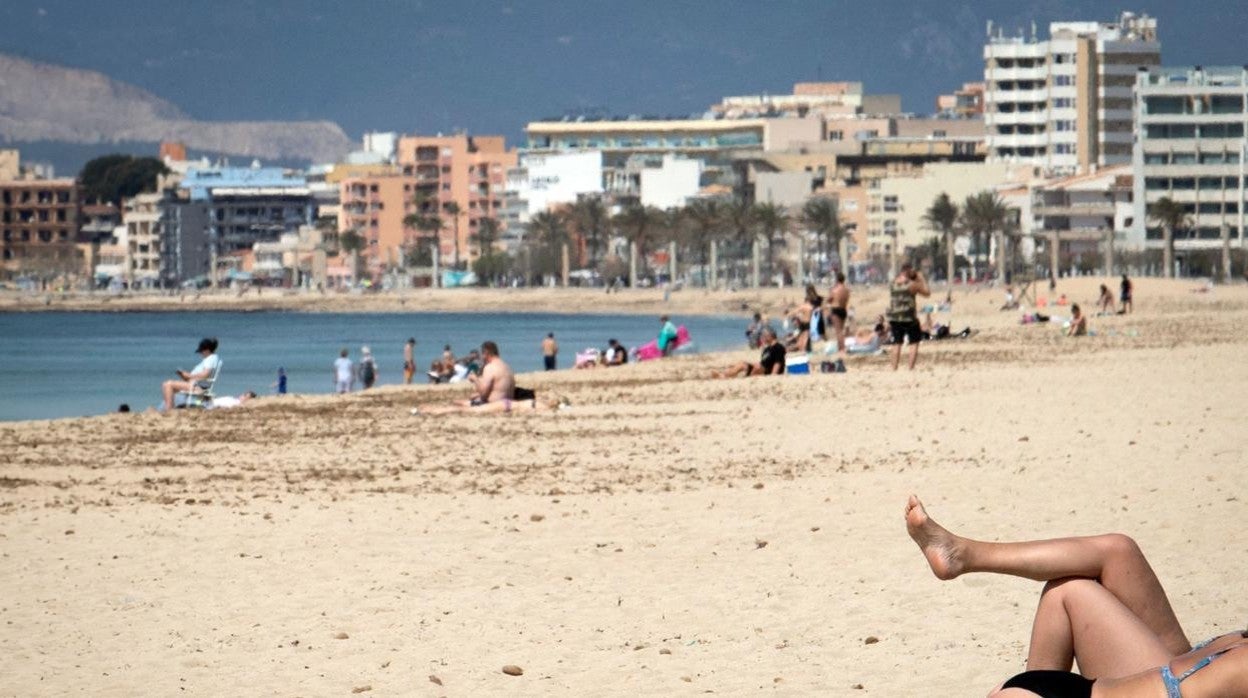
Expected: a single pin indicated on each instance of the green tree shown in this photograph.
(1172, 216)
(822, 216)
(705, 219)
(641, 226)
(111, 178)
(490, 263)
(774, 223)
(547, 233)
(592, 221)
(942, 217)
(984, 214)
(353, 243)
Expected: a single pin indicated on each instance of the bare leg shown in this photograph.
(839, 324)
(170, 388)
(1112, 559)
(914, 354)
(1080, 618)
(896, 355)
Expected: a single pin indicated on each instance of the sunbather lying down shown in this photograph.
(1103, 607)
(504, 406)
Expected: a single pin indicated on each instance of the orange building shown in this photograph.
(374, 206)
(459, 178)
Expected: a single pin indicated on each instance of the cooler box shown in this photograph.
(798, 364)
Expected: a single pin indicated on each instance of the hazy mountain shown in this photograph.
(44, 102)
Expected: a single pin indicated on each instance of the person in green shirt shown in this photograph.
(903, 316)
(667, 336)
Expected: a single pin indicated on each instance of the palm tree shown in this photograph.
(486, 237)
(773, 221)
(822, 216)
(352, 243)
(986, 214)
(640, 225)
(592, 220)
(942, 216)
(1172, 216)
(452, 208)
(548, 232)
(705, 224)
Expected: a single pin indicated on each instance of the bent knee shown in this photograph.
(1119, 544)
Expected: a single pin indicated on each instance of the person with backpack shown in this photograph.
(368, 368)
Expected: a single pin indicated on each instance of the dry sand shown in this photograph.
(668, 534)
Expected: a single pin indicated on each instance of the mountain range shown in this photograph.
(42, 102)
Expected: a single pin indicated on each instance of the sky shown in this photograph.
(490, 66)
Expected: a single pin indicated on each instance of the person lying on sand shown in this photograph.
(770, 361)
(1102, 606)
(226, 402)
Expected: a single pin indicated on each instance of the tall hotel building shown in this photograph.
(1065, 104)
(1191, 147)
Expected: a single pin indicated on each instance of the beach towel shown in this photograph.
(587, 357)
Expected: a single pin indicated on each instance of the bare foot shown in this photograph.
(942, 549)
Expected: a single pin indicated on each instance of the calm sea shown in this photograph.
(74, 364)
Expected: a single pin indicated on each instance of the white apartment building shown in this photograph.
(1191, 147)
(1064, 104)
(142, 218)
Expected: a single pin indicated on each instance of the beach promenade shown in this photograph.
(667, 535)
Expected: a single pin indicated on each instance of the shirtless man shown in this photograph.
(550, 351)
(409, 361)
(494, 387)
(838, 302)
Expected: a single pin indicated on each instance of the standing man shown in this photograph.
(903, 314)
(344, 373)
(1126, 291)
(368, 368)
(409, 360)
(550, 350)
(838, 303)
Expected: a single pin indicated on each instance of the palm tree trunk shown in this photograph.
(842, 251)
(1001, 244)
(1109, 252)
(1226, 253)
(1167, 252)
(949, 257)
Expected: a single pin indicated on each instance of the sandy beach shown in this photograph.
(667, 535)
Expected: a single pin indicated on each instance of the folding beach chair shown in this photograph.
(200, 394)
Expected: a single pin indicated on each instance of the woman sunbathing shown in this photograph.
(1102, 606)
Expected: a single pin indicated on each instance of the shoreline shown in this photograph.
(666, 534)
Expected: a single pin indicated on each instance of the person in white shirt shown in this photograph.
(228, 401)
(344, 373)
(189, 381)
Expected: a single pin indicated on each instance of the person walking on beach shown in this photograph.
(409, 360)
(1127, 289)
(368, 368)
(344, 373)
(903, 316)
(280, 385)
(550, 350)
(189, 381)
(838, 306)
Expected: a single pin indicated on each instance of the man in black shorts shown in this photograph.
(903, 316)
(770, 360)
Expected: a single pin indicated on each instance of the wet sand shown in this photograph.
(668, 534)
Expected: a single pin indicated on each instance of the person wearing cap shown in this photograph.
(189, 380)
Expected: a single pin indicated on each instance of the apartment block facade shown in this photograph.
(1191, 147)
(459, 178)
(39, 222)
(1065, 103)
(374, 207)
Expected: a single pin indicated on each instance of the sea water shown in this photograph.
(73, 364)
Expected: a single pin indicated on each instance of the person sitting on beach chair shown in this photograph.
(770, 361)
(1103, 607)
(195, 385)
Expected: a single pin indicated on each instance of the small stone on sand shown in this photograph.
(341, 636)
(871, 640)
(513, 670)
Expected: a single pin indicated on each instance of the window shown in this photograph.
(1063, 80)
(939, 133)
(1064, 125)
(1157, 159)
(1063, 103)
(1183, 159)
(1227, 104)
(1064, 149)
